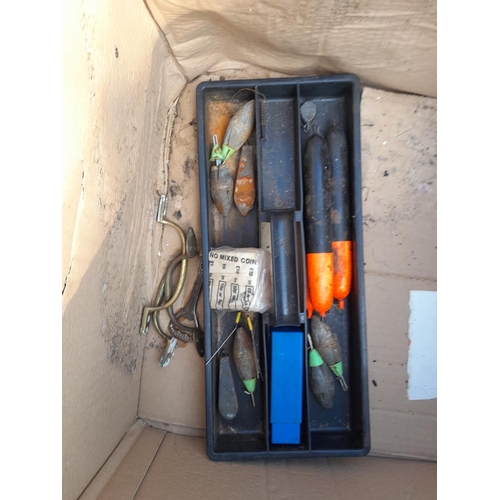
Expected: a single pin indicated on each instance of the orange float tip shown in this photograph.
(320, 281)
(341, 304)
(342, 258)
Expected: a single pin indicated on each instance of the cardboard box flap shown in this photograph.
(388, 44)
(180, 469)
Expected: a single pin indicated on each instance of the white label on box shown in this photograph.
(235, 276)
(422, 355)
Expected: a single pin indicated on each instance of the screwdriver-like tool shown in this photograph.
(244, 360)
(320, 378)
(328, 346)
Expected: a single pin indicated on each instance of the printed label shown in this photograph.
(239, 272)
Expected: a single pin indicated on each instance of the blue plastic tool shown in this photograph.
(287, 365)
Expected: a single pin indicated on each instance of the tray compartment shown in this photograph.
(340, 427)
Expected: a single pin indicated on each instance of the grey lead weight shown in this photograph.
(228, 402)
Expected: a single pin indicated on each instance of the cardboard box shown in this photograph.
(130, 133)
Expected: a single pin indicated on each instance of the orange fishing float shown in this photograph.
(319, 256)
(340, 216)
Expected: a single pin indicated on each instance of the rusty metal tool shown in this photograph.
(189, 313)
(168, 352)
(179, 338)
(146, 314)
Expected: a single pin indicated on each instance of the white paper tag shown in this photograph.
(233, 278)
(422, 357)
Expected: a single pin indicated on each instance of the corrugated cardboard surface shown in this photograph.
(115, 101)
(164, 465)
(399, 229)
(119, 82)
(388, 43)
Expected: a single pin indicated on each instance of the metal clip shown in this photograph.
(217, 162)
(257, 363)
(168, 352)
(145, 321)
(162, 208)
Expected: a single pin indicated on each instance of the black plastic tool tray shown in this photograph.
(280, 140)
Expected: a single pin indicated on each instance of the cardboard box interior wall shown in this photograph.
(130, 71)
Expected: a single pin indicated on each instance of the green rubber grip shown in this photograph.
(227, 152)
(216, 153)
(250, 384)
(314, 358)
(338, 369)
